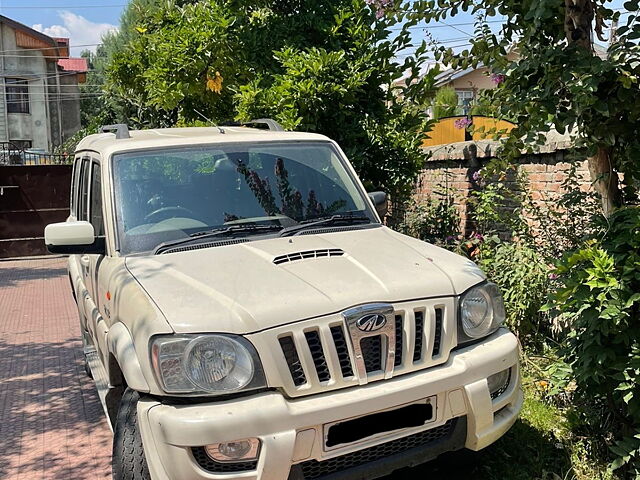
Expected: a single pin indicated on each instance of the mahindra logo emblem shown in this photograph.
(371, 322)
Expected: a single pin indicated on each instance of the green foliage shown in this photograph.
(599, 297)
(523, 277)
(552, 82)
(324, 66)
(445, 103)
(434, 220)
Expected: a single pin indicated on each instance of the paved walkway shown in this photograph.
(51, 422)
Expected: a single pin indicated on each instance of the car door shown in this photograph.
(78, 266)
(93, 261)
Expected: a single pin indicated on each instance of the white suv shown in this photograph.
(246, 315)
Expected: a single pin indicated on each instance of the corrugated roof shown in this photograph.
(74, 64)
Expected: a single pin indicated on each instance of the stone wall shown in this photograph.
(451, 169)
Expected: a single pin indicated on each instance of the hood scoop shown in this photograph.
(324, 252)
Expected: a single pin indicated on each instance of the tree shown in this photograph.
(445, 103)
(325, 66)
(558, 80)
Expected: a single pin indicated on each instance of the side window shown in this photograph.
(83, 193)
(75, 180)
(95, 213)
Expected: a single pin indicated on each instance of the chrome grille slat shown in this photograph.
(325, 355)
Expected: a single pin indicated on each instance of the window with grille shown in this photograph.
(17, 95)
(465, 100)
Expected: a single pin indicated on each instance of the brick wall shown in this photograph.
(452, 170)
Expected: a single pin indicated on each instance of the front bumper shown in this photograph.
(291, 430)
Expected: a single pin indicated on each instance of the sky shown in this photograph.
(85, 21)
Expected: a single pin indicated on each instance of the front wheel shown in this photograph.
(128, 462)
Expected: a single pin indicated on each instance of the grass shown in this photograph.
(546, 443)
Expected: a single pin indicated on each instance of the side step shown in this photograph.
(99, 377)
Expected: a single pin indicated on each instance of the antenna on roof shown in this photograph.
(220, 129)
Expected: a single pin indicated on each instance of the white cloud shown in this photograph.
(80, 30)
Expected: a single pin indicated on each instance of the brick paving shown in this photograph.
(51, 422)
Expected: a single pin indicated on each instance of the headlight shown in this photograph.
(481, 312)
(206, 364)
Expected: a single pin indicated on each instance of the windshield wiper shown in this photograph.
(218, 232)
(345, 219)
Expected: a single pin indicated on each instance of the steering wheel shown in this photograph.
(167, 212)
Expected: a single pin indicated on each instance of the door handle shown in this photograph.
(84, 260)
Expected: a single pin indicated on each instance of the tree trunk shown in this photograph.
(578, 28)
(605, 180)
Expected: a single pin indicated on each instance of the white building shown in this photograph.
(40, 104)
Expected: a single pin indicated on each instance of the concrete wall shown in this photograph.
(69, 105)
(31, 66)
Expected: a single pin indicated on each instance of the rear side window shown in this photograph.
(83, 191)
(96, 217)
(75, 179)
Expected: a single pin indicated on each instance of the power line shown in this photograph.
(58, 7)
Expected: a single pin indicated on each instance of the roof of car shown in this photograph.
(107, 143)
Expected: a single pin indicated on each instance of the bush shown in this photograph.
(445, 103)
(432, 220)
(523, 277)
(599, 298)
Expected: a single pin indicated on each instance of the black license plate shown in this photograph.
(350, 431)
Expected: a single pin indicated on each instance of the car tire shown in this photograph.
(128, 461)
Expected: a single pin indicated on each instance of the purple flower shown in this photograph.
(478, 236)
(497, 78)
(449, 239)
(380, 6)
(462, 123)
(553, 276)
(476, 176)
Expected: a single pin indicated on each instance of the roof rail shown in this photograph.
(121, 130)
(271, 124)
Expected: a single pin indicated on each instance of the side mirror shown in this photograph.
(379, 200)
(73, 238)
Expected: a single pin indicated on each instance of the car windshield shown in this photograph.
(165, 195)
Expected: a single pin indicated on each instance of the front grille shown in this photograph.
(210, 465)
(314, 469)
(293, 361)
(372, 353)
(318, 355)
(437, 337)
(417, 351)
(313, 339)
(342, 350)
(399, 341)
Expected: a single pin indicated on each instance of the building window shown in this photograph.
(17, 95)
(465, 101)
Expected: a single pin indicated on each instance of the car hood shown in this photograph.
(239, 289)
